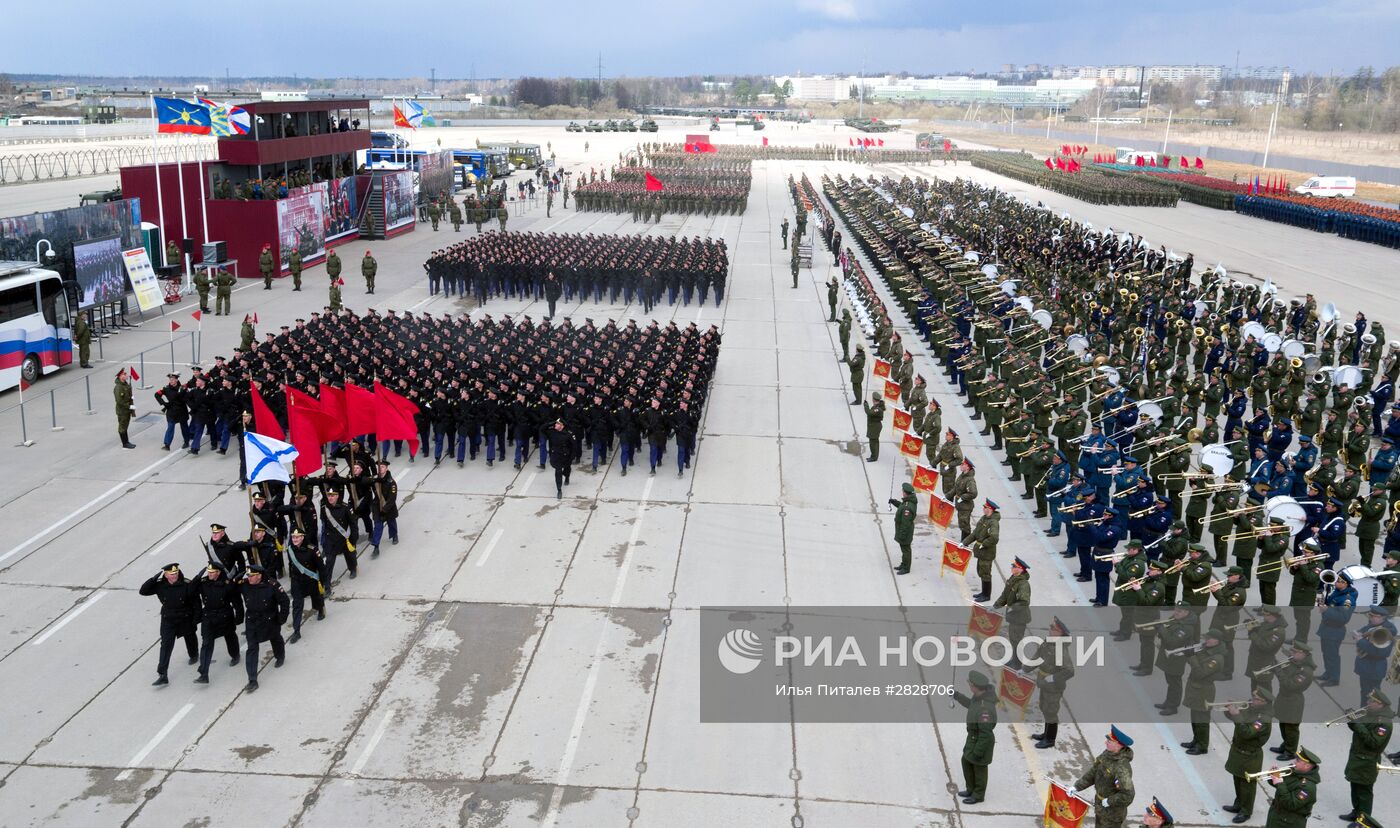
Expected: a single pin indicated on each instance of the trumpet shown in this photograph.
(1210, 587)
(1189, 648)
(1147, 625)
(1176, 567)
(1140, 512)
(1133, 583)
(1272, 667)
(1388, 768)
(1347, 717)
(1231, 703)
(1098, 519)
(1279, 772)
(1248, 625)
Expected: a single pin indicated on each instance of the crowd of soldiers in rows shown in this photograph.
(669, 154)
(291, 540)
(554, 266)
(1105, 471)
(707, 192)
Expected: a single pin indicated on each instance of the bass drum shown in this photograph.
(1289, 510)
(1348, 374)
(1294, 349)
(1216, 459)
(1045, 319)
(1151, 410)
(1077, 343)
(1369, 589)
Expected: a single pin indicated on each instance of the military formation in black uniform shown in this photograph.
(1107, 455)
(551, 266)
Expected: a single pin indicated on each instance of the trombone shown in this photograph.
(1348, 717)
(1279, 772)
(1189, 648)
(1147, 625)
(1130, 584)
(1288, 563)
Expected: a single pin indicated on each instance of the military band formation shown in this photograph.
(1102, 368)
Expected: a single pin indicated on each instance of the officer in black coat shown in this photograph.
(305, 565)
(561, 456)
(179, 613)
(221, 611)
(265, 611)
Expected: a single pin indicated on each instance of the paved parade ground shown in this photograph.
(522, 660)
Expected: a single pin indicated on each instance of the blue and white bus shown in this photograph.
(36, 331)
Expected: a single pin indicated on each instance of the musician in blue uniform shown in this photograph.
(1259, 469)
(1303, 462)
(1111, 404)
(1128, 423)
(1280, 438)
(1083, 520)
(1139, 503)
(1392, 426)
(1104, 469)
(1312, 505)
(1057, 487)
(1332, 533)
(1373, 649)
(1234, 411)
(1382, 393)
(1282, 480)
(1156, 526)
(1106, 537)
(1090, 450)
(1382, 463)
(1258, 430)
(1337, 610)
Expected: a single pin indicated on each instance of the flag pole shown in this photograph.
(155, 157)
(180, 174)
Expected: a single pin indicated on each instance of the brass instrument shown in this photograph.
(1378, 636)
(1147, 625)
(1240, 511)
(1231, 703)
(1176, 567)
(1279, 772)
(1027, 451)
(1189, 475)
(1140, 512)
(1272, 667)
(1388, 768)
(1259, 532)
(1248, 625)
(1190, 648)
(1130, 584)
(1179, 323)
(1210, 587)
(1347, 717)
(1088, 520)
(1288, 563)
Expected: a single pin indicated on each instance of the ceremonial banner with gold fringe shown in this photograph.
(891, 390)
(882, 368)
(902, 419)
(926, 480)
(1016, 688)
(940, 511)
(911, 446)
(955, 557)
(1063, 810)
(983, 622)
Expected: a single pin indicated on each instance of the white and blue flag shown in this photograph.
(266, 458)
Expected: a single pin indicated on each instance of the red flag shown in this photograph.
(134, 375)
(1140, 162)
(393, 416)
(983, 622)
(940, 514)
(891, 390)
(902, 419)
(1184, 163)
(851, 141)
(255, 317)
(1016, 688)
(689, 147)
(947, 145)
(880, 141)
(925, 478)
(765, 140)
(1073, 165)
(1064, 149)
(1200, 165)
(1059, 163)
(359, 410)
(198, 315)
(1063, 810)
(23, 384)
(333, 404)
(708, 147)
(955, 557)
(305, 423)
(654, 184)
(1152, 162)
(882, 368)
(1049, 165)
(911, 445)
(174, 326)
(263, 420)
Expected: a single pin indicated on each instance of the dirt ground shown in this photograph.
(1382, 193)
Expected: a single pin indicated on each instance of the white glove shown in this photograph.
(1104, 802)
(1072, 791)
(1049, 679)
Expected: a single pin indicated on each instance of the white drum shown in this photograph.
(1349, 374)
(1151, 410)
(1369, 590)
(1216, 458)
(1294, 349)
(1045, 319)
(1294, 516)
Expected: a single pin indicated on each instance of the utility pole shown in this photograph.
(432, 80)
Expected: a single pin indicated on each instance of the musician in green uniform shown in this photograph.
(1111, 778)
(980, 743)
(1295, 794)
(1252, 725)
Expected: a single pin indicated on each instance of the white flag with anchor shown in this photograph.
(266, 458)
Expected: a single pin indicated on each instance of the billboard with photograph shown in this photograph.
(339, 205)
(100, 271)
(301, 226)
(143, 278)
(64, 228)
(435, 174)
(398, 199)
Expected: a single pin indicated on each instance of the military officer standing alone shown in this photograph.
(783, 231)
(223, 292)
(857, 367)
(1111, 777)
(831, 292)
(981, 736)
(964, 495)
(843, 331)
(1016, 597)
(333, 266)
(369, 267)
(265, 266)
(906, 510)
(265, 611)
(121, 392)
(985, 536)
(179, 612)
(294, 266)
(874, 424)
(1054, 673)
(82, 335)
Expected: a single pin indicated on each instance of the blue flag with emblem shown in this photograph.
(181, 116)
(264, 458)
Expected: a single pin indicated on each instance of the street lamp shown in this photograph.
(51, 254)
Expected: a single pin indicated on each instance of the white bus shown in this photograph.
(36, 332)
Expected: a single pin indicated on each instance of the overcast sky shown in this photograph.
(357, 38)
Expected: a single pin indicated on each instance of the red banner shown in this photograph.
(910, 445)
(940, 512)
(902, 419)
(925, 480)
(891, 390)
(955, 557)
(1016, 688)
(882, 368)
(983, 622)
(1063, 810)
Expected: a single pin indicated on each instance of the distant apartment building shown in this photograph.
(1136, 74)
(1261, 72)
(828, 87)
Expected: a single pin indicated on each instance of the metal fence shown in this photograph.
(50, 165)
(1316, 166)
(52, 401)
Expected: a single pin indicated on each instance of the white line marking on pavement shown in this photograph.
(531, 479)
(155, 740)
(590, 684)
(422, 303)
(78, 610)
(495, 539)
(174, 536)
(374, 741)
(83, 508)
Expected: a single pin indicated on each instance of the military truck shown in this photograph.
(100, 197)
(610, 125)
